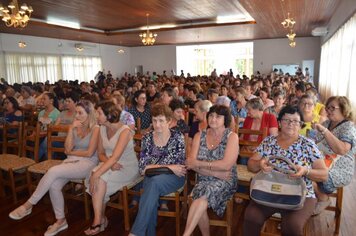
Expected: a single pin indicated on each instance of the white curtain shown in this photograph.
(338, 63)
(40, 68)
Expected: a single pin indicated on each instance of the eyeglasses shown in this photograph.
(293, 122)
(331, 108)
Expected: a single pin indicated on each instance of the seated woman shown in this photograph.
(240, 108)
(161, 147)
(306, 106)
(125, 117)
(201, 108)
(213, 157)
(304, 154)
(264, 95)
(178, 123)
(279, 97)
(80, 147)
(140, 109)
(12, 113)
(337, 141)
(118, 163)
(50, 113)
(28, 102)
(257, 120)
(66, 117)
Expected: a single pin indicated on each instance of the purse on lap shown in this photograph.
(158, 171)
(276, 189)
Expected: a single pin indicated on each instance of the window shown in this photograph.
(338, 59)
(203, 59)
(40, 68)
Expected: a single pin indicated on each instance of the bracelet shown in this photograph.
(308, 171)
(209, 165)
(324, 131)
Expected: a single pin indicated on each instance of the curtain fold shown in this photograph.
(338, 62)
(40, 68)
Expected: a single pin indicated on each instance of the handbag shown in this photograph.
(276, 189)
(158, 171)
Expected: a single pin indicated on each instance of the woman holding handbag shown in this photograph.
(337, 141)
(162, 147)
(309, 165)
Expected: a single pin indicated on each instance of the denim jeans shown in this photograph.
(42, 152)
(153, 188)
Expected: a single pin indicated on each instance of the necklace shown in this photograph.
(215, 139)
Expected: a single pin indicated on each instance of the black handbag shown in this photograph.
(158, 171)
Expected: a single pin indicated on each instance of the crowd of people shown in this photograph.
(189, 124)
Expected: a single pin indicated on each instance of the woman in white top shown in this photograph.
(118, 167)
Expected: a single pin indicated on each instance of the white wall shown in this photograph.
(277, 51)
(111, 60)
(154, 58)
(344, 11)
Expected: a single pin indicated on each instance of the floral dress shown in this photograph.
(342, 171)
(216, 191)
(303, 152)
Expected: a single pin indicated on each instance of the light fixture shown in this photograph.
(288, 22)
(22, 44)
(79, 47)
(121, 51)
(291, 35)
(292, 44)
(63, 23)
(14, 16)
(148, 38)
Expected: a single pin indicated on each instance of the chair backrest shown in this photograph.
(30, 116)
(31, 140)
(247, 152)
(12, 137)
(138, 126)
(53, 139)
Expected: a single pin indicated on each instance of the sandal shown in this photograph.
(94, 229)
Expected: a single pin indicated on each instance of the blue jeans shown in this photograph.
(153, 188)
(42, 152)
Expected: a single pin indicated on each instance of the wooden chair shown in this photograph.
(180, 199)
(120, 200)
(12, 166)
(338, 195)
(272, 226)
(31, 141)
(243, 174)
(41, 168)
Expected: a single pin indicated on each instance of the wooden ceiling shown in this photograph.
(118, 20)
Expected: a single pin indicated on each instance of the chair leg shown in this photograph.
(2, 190)
(339, 196)
(12, 185)
(229, 213)
(177, 205)
(125, 206)
(86, 204)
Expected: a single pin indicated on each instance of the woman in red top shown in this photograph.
(258, 120)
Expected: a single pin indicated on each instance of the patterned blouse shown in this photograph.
(145, 116)
(303, 152)
(126, 118)
(172, 153)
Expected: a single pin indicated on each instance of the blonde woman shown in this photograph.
(80, 147)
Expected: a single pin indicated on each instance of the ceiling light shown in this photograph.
(79, 47)
(288, 22)
(22, 44)
(148, 38)
(14, 16)
(291, 35)
(292, 44)
(121, 51)
(63, 23)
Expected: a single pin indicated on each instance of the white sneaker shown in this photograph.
(20, 213)
(55, 229)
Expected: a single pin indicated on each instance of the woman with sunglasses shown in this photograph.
(337, 140)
